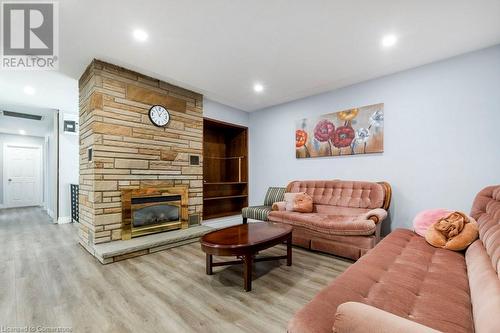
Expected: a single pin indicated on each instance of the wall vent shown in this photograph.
(194, 219)
(22, 115)
(194, 160)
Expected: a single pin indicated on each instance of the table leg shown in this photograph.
(247, 272)
(209, 264)
(289, 251)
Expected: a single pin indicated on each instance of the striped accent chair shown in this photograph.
(274, 194)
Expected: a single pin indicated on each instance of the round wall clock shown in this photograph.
(159, 115)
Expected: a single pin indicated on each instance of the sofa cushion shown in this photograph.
(402, 275)
(483, 261)
(354, 317)
(486, 211)
(356, 194)
(329, 224)
(484, 289)
(338, 210)
(256, 212)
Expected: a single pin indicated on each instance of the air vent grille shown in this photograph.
(22, 115)
(194, 219)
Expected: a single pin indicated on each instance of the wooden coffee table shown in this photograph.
(244, 241)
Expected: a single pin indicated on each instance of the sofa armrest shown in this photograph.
(279, 206)
(376, 215)
(354, 317)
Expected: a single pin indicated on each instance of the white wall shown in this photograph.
(442, 142)
(68, 170)
(53, 91)
(222, 112)
(23, 140)
(51, 139)
(11, 125)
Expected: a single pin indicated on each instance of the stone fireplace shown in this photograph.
(126, 160)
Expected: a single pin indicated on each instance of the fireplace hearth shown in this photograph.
(152, 210)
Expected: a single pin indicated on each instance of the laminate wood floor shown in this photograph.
(47, 279)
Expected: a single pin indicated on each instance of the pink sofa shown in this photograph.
(406, 285)
(346, 218)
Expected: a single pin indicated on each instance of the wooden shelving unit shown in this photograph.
(226, 183)
(225, 169)
(226, 197)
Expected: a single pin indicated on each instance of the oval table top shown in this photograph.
(245, 236)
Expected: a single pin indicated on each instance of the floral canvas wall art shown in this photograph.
(349, 132)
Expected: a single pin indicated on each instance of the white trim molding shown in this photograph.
(50, 213)
(223, 222)
(64, 219)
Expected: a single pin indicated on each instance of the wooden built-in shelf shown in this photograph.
(223, 157)
(224, 213)
(225, 169)
(225, 183)
(226, 197)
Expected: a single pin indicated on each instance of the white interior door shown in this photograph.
(22, 176)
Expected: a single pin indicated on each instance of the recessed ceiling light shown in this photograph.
(389, 40)
(29, 90)
(140, 35)
(258, 87)
(22, 132)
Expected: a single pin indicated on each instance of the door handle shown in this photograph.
(10, 180)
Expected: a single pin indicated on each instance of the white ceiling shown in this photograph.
(53, 90)
(13, 125)
(295, 48)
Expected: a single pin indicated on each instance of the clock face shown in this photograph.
(159, 115)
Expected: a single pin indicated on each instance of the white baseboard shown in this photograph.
(223, 222)
(50, 212)
(226, 221)
(64, 219)
(8, 206)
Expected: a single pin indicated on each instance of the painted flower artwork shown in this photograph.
(349, 132)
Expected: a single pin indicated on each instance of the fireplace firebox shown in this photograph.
(152, 210)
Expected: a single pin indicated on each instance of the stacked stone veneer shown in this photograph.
(128, 150)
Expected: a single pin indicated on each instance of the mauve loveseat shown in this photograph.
(346, 218)
(406, 285)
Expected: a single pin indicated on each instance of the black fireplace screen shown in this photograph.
(156, 214)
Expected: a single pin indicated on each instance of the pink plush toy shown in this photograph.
(426, 218)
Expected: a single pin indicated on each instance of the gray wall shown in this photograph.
(18, 139)
(222, 112)
(442, 142)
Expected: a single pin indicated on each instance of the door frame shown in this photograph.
(40, 171)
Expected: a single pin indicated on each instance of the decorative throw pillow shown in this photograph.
(279, 206)
(453, 232)
(426, 218)
(298, 202)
